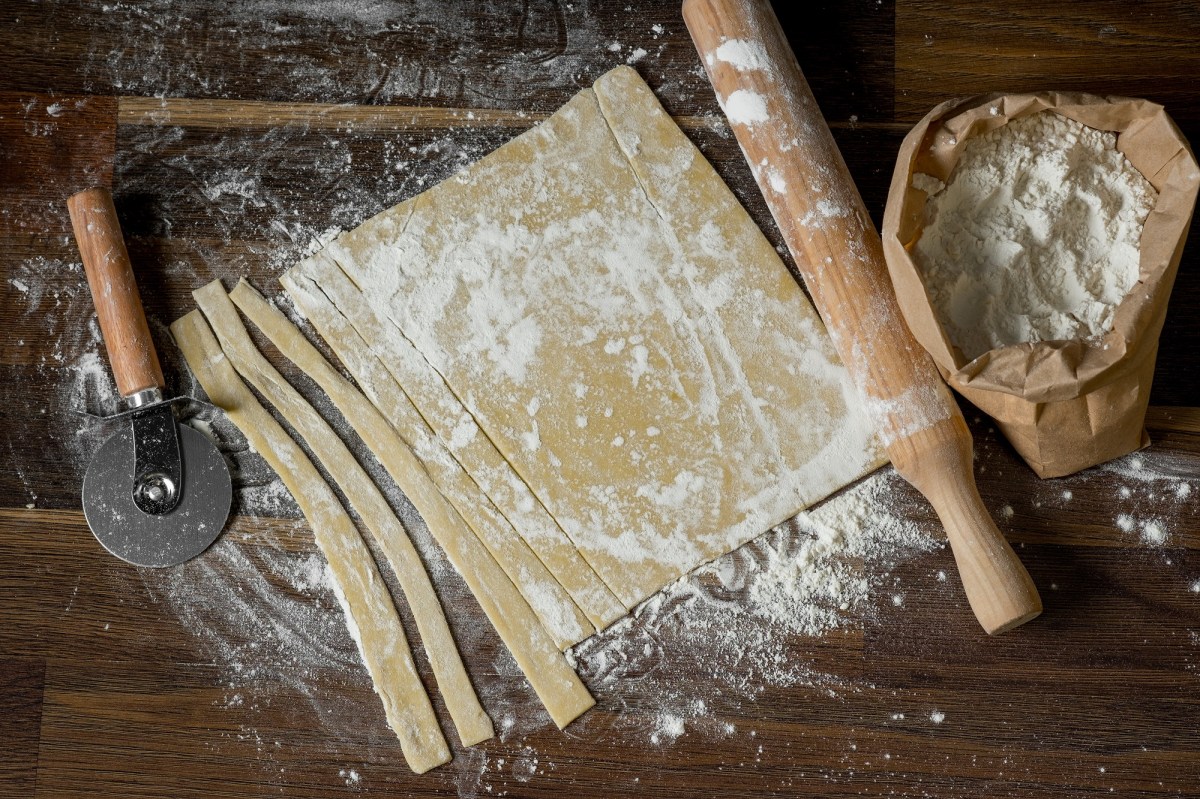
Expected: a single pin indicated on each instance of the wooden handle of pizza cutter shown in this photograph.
(114, 292)
(838, 251)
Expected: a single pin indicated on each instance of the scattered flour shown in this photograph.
(668, 728)
(1036, 235)
(744, 54)
(1157, 481)
(1154, 533)
(744, 107)
(807, 578)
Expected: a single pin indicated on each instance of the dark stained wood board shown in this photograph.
(234, 133)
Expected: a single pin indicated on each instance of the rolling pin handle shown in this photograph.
(114, 292)
(998, 588)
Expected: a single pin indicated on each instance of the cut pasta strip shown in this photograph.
(469, 717)
(556, 684)
(370, 614)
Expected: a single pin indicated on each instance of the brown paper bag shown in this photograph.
(1064, 405)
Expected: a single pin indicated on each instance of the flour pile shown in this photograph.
(1035, 237)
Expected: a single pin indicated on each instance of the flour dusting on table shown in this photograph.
(746, 615)
(1157, 485)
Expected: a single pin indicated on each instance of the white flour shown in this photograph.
(741, 615)
(744, 107)
(263, 609)
(746, 55)
(1157, 489)
(1035, 237)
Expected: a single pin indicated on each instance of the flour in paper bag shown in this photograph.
(1036, 235)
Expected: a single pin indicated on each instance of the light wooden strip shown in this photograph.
(207, 114)
(1173, 418)
(222, 114)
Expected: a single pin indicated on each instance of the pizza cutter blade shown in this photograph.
(156, 539)
(156, 493)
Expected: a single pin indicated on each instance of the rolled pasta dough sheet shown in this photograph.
(615, 323)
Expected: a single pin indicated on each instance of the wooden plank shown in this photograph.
(529, 56)
(1146, 50)
(50, 147)
(22, 683)
(189, 693)
(1027, 709)
(512, 55)
(215, 114)
(207, 114)
(1173, 418)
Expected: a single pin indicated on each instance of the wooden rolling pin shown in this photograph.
(838, 251)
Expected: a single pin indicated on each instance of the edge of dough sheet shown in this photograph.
(803, 458)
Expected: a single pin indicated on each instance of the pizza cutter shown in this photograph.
(157, 492)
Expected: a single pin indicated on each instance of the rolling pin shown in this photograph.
(823, 219)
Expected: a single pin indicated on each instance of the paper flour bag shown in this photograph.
(1064, 404)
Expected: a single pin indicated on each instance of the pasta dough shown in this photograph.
(455, 438)
(369, 610)
(555, 683)
(545, 668)
(469, 717)
(595, 298)
(539, 586)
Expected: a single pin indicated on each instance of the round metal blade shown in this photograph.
(157, 540)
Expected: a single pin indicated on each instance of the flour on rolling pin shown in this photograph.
(1036, 235)
(895, 418)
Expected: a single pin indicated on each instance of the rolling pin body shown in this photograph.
(839, 253)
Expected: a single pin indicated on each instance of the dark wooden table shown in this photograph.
(234, 133)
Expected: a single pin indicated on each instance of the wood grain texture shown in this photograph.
(115, 681)
(22, 692)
